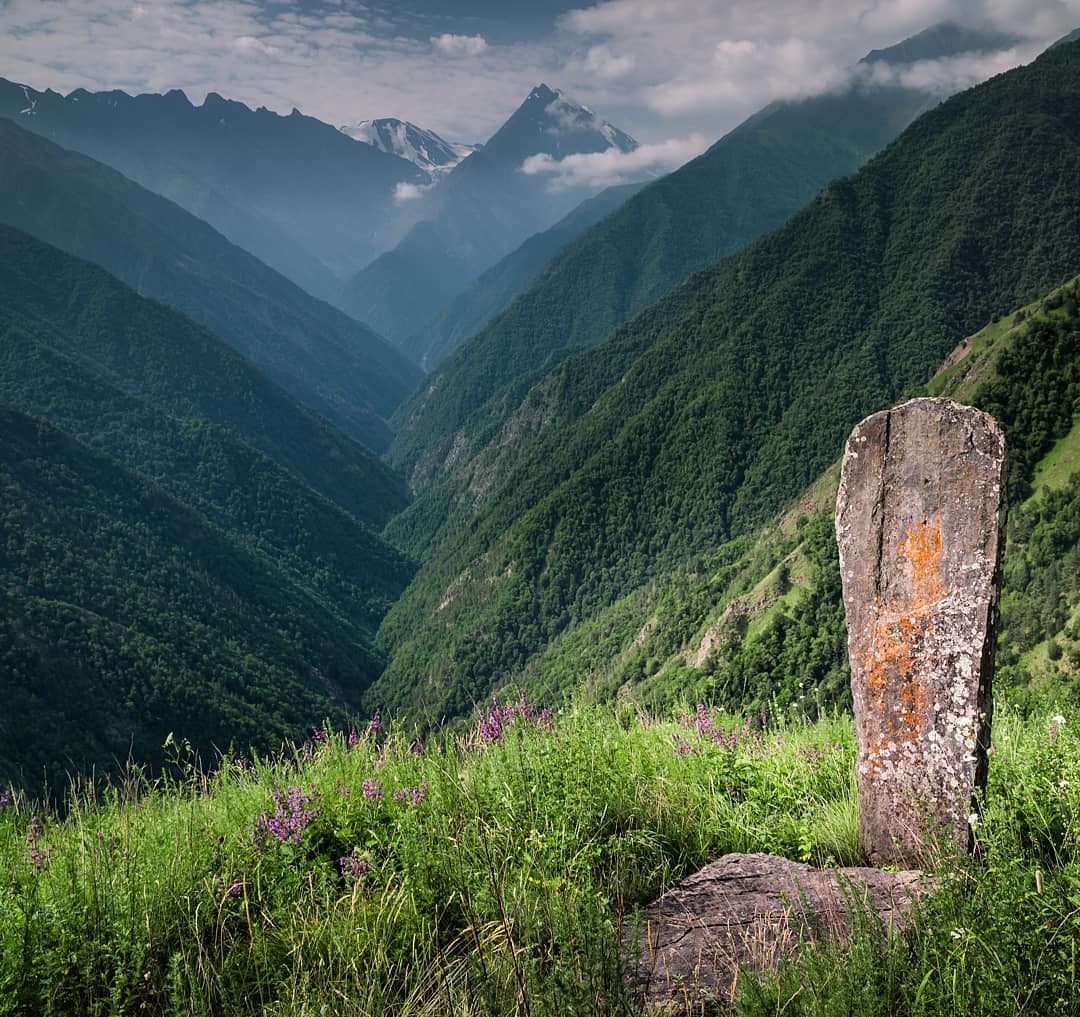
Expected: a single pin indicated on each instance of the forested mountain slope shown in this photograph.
(325, 359)
(165, 566)
(152, 352)
(470, 311)
(126, 616)
(750, 181)
(701, 417)
(758, 622)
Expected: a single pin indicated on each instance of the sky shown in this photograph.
(675, 74)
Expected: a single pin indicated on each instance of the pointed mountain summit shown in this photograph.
(550, 123)
(421, 147)
(481, 211)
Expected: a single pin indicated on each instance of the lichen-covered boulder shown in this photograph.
(920, 528)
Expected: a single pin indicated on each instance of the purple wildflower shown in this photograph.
(373, 788)
(413, 794)
(318, 734)
(341, 788)
(235, 889)
(417, 747)
(6, 798)
(682, 746)
(354, 737)
(38, 852)
(375, 726)
(354, 865)
(294, 813)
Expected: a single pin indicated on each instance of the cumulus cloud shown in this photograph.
(602, 169)
(459, 45)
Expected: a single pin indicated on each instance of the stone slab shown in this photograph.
(752, 911)
(920, 529)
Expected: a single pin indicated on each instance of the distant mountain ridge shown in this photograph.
(299, 194)
(481, 211)
(331, 363)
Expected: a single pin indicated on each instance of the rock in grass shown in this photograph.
(920, 527)
(753, 911)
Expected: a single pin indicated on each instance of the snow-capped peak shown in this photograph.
(565, 116)
(424, 148)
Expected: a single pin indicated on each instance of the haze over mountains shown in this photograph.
(202, 534)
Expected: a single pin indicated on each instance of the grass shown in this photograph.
(497, 874)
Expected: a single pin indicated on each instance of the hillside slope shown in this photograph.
(758, 622)
(325, 359)
(750, 181)
(700, 418)
(183, 546)
(496, 287)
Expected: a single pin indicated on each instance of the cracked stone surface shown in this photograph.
(920, 528)
(752, 910)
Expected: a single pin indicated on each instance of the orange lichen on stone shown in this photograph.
(921, 550)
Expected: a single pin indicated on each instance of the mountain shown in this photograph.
(331, 363)
(758, 623)
(750, 181)
(704, 415)
(482, 210)
(150, 352)
(496, 287)
(185, 548)
(300, 195)
(424, 149)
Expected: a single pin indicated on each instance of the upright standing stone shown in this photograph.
(920, 526)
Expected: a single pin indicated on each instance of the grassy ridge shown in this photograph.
(497, 874)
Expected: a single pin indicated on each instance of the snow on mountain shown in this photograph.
(569, 116)
(423, 148)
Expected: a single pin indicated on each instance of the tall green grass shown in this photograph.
(500, 874)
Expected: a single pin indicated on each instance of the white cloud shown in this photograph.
(405, 192)
(459, 45)
(602, 169)
(699, 64)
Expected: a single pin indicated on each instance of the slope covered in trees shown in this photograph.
(125, 616)
(750, 181)
(322, 357)
(697, 420)
(758, 622)
(150, 351)
(493, 290)
(183, 546)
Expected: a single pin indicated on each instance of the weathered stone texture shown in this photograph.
(920, 528)
(752, 911)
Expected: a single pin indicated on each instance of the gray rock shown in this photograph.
(752, 911)
(920, 528)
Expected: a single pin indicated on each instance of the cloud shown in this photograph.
(459, 45)
(602, 169)
(698, 64)
(405, 192)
